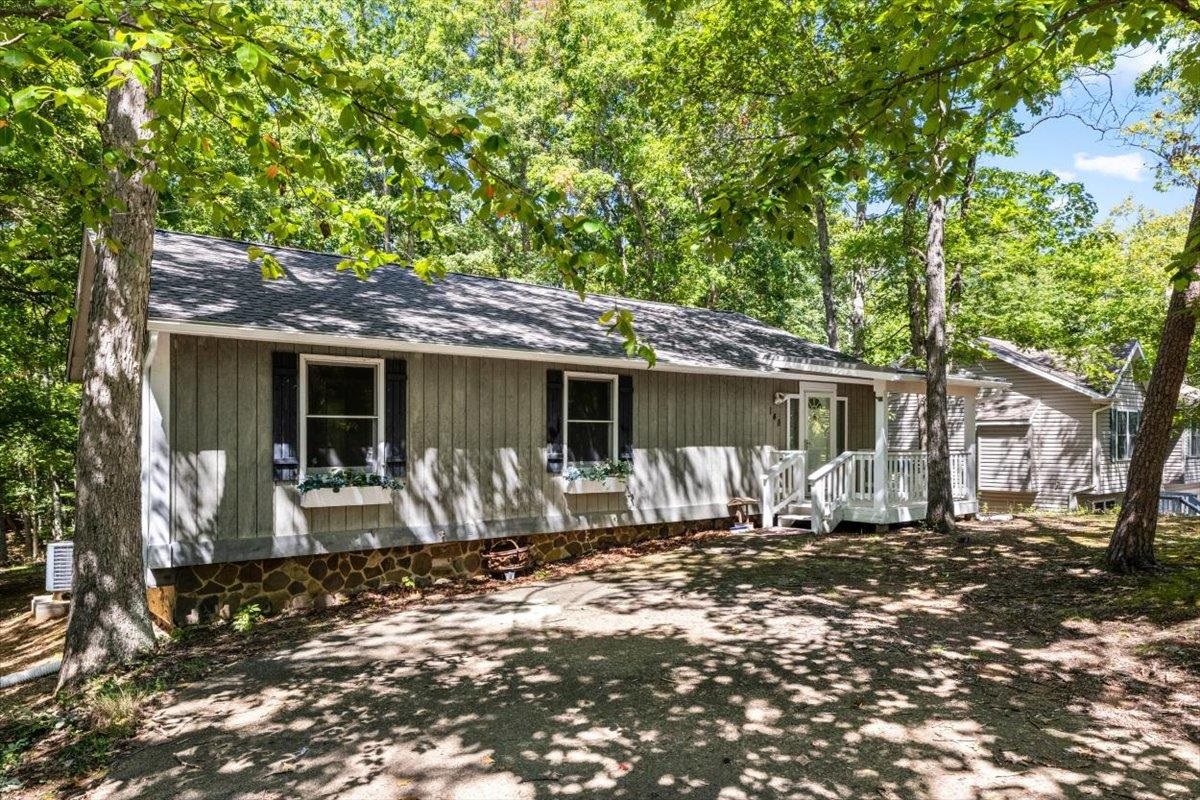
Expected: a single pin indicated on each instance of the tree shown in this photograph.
(109, 619)
(293, 100)
(1173, 134)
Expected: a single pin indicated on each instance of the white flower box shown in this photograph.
(584, 486)
(346, 496)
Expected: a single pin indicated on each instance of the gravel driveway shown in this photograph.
(855, 667)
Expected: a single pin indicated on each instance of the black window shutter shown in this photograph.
(285, 394)
(395, 421)
(625, 418)
(554, 421)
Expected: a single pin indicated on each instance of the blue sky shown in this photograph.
(1111, 170)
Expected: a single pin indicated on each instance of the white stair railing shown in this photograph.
(849, 478)
(782, 483)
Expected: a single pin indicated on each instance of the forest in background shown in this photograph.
(625, 119)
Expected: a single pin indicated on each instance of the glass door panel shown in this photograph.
(818, 429)
(795, 429)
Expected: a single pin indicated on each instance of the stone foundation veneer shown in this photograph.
(277, 584)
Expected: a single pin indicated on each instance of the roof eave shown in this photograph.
(1047, 375)
(798, 369)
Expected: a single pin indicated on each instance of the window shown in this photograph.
(591, 413)
(1122, 432)
(1191, 436)
(340, 400)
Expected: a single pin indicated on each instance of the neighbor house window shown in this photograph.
(1123, 432)
(1191, 436)
(340, 402)
(591, 413)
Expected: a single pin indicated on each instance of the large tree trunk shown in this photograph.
(858, 288)
(826, 265)
(940, 508)
(109, 619)
(1132, 545)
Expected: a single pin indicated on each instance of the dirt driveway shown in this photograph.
(858, 666)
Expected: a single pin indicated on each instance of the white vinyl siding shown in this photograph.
(1059, 438)
(905, 420)
(1004, 458)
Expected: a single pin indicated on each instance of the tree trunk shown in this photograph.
(56, 519)
(940, 507)
(1132, 545)
(916, 308)
(858, 288)
(109, 619)
(3, 527)
(826, 265)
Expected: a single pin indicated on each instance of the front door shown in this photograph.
(811, 426)
(818, 428)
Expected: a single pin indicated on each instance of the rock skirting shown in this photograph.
(205, 591)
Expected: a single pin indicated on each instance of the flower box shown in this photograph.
(346, 496)
(586, 486)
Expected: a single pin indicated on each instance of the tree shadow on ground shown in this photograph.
(898, 666)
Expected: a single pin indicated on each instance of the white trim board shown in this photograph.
(1046, 375)
(795, 370)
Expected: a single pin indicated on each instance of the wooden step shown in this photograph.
(801, 509)
(792, 520)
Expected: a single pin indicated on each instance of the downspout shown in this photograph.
(1096, 448)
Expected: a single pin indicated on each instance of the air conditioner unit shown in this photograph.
(60, 557)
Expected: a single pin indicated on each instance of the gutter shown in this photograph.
(798, 369)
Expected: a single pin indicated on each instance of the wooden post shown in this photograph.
(879, 500)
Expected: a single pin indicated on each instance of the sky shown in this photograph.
(1111, 170)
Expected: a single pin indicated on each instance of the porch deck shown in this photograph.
(861, 486)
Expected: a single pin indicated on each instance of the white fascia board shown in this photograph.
(800, 369)
(1041, 373)
(1136, 351)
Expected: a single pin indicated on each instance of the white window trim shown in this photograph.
(1191, 439)
(314, 358)
(616, 416)
(1130, 436)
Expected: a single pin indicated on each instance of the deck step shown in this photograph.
(800, 509)
(792, 520)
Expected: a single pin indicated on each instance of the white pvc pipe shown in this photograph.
(33, 673)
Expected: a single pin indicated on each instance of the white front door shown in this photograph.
(811, 417)
(818, 428)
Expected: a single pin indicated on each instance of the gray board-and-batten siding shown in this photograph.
(476, 432)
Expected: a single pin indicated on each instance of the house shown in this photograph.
(482, 397)
(1055, 439)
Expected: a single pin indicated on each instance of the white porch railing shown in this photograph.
(849, 480)
(783, 482)
(846, 480)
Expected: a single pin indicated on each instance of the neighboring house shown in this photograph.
(482, 396)
(1055, 440)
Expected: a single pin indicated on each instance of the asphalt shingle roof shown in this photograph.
(202, 279)
(1052, 363)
